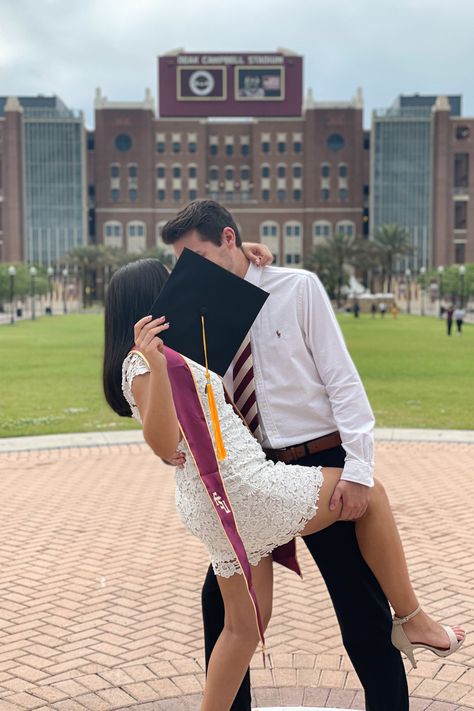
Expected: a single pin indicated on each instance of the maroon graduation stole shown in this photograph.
(196, 432)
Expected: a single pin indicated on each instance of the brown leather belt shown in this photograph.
(291, 454)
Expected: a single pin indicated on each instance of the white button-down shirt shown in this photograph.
(306, 383)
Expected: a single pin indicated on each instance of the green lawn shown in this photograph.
(414, 374)
(51, 377)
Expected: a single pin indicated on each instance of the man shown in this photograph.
(310, 409)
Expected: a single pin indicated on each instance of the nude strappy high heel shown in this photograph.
(401, 641)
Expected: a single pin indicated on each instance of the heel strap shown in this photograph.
(402, 620)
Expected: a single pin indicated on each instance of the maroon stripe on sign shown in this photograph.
(248, 377)
(254, 424)
(251, 401)
(246, 353)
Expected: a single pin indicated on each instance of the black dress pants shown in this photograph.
(361, 607)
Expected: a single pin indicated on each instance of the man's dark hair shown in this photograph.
(206, 217)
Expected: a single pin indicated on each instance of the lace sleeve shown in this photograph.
(132, 365)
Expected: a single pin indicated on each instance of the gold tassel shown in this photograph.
(219, 442)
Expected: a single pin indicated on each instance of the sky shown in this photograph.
(387, 47)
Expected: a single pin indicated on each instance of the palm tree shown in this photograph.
(97, 263)
(89, 259)
(366, 261)
(391, 241)
(329, 261)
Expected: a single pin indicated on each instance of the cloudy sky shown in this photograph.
(69, 47)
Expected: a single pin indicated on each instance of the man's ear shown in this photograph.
(228, 237)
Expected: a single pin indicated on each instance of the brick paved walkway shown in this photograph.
(100, 586)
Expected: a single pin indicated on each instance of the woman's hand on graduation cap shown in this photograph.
(147, 340)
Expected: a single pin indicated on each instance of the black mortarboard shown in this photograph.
(197, 287)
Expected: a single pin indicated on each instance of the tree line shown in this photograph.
(375, 262)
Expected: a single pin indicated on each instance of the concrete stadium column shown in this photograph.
(13, 242)
(442, 219)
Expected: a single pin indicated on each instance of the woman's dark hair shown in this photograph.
(206, 217)
(130, 295)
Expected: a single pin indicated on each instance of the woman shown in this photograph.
(272, 502)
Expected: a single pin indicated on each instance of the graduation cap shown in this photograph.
(200, 293)
(210, 311)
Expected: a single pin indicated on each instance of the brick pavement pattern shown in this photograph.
(100, 586)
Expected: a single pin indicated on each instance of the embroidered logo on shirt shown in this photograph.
(220, 502)
(278, 333)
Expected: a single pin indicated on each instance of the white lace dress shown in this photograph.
(271, 502)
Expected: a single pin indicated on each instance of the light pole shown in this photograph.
(50, 272)
(462, 274)
(422, 277)
(440, 287)
(408, 277)
(12, 274)
(33, 282)
(65, 276)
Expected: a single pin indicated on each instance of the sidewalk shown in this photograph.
(100, 602)
(91, 439)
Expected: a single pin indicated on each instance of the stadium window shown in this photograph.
(322, 228)
(270, 236)
(345, 227)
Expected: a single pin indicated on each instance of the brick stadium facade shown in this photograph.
(291, 172)
(289, 181)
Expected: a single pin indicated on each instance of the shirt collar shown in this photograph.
(254, 274)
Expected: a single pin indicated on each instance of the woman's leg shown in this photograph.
(239, 639)
(381, 547)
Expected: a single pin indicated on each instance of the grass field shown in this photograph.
(414, 374)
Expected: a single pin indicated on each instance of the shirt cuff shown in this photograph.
(358, 473)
